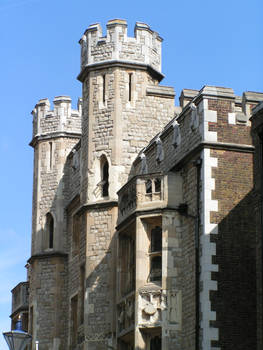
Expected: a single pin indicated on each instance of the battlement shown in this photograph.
(61, 119)
(143, 49)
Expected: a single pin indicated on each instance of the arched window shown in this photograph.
(50, 230)
(104, 176)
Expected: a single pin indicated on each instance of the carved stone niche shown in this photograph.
(150, 305)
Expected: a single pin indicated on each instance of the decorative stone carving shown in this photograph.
(144, 167)
(150, 305)
(176, 134)
(194, 117)
(150, 309)
(159, 150)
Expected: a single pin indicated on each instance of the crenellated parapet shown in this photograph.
(62, 119)
(142, 49)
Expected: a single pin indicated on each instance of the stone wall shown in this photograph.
(218, 120)
(48, 302)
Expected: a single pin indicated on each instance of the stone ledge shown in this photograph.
(46, 255)
(161, 91)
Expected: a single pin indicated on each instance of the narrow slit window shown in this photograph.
(130, 86)
(104, 88)
(50, 155)
(104, 176)
(50, 230)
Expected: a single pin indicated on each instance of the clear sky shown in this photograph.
(205, 42)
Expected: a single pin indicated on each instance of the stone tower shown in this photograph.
(123, 108)
(55, 133)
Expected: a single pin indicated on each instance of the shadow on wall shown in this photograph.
(235, 298)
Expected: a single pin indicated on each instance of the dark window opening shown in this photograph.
(157, 185)
(156, 343)
(104, 88)
(130, 86)
(156, 268)
(148, 186)
(156, 239)
(105, 176)
(50, 155)
(50, 230)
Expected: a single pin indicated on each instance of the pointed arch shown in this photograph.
(50, 230)
(104, 171)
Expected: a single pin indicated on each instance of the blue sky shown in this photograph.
(205, 42)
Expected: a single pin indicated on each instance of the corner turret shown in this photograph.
(62, 119)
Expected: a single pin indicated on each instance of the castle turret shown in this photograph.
(55, 133)
(123, 108)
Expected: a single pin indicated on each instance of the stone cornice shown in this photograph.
(54, 135)
(122, 64)
(97, 205)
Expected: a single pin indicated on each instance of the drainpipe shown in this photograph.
(198, 164)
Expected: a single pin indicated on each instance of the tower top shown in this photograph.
(144, 49)
(62, 120)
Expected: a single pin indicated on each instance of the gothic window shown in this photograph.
(104, 176)
(156, 254)
(50, 230)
